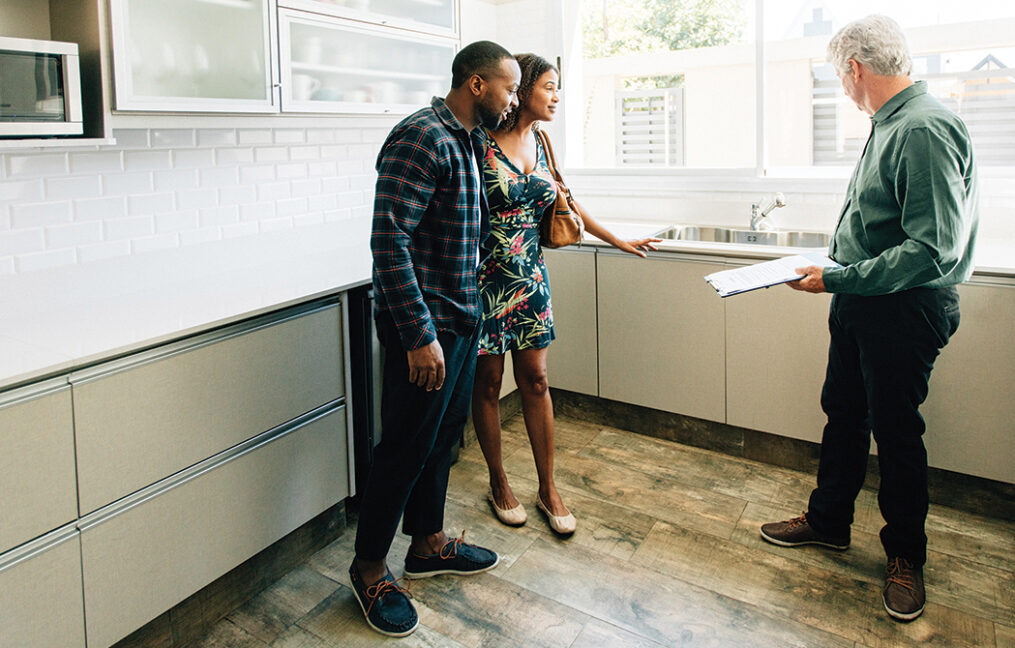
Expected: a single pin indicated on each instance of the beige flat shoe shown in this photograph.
(561, 524)
(512, 517)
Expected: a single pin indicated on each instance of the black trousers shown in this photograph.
(879, 363)
(418, 432)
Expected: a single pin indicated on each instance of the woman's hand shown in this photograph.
(635, 246)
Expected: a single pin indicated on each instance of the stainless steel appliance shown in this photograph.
(40, 88)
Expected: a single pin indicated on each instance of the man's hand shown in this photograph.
(426, 366)
(812, 281)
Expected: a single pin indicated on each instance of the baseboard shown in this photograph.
(964, 492)
(190, 619)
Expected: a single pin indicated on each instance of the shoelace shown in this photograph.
(378, 590)
(897, 568)
(452, 547)
(797, 521)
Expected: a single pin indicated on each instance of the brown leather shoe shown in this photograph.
(797, 532)
(904, 594)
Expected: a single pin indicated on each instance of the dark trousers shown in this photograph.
(879, 362)
(419, 430)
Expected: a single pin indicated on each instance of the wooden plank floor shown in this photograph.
(667, 553)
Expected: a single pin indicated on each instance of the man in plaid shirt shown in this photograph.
(430, 220)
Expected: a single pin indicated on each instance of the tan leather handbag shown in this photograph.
(562, 223)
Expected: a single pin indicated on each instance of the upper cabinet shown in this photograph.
(194, 55)
(338, 65)
(254, 56)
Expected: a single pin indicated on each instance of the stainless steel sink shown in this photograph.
(711, 234)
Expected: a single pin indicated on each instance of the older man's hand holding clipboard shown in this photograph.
(800, 271)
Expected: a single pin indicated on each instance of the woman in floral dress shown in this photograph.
(515, 290)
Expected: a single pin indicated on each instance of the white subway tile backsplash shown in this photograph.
(21, 190)
(309, 187)
(293, 207)
(322, 202)
(175, 179)
(257, 174)
(363, 182)
(193, 158)
(44, 260)
(290, 136)
(348, 136)
(153, 243)
(26, 216)
(150, 204)
(6, 266)
(350, 199)
(100, 209)
(21, 165)
(305, 152)
(350, 167)
(274, 191)
(73, 187)
(334, 184)
(363, 151)
(271, 154)
(239, 229)
(64, 236)
(234, 155)
(99, 251)
(216, 137)
(147, 160)
(335, 152)
(218, 176)
(22, 241)
(238, 195)
(176, 221)
(129, 228)
(333, 215)
(259, 211)
(320, 169)
(100, 162)
(296, 170)
(321, 135)
(173, 138)
(124, 184)
(5, 217)
(254, 136)
(129, 138)
(218, 216)
(196, 198)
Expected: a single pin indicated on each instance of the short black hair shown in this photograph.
(476, 58)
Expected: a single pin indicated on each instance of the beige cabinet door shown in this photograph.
(147, 417)
(776, 352)
(38, 491)
(970, 411)
(572, 361)
(661, 339)
(143, 557)
(40, 593)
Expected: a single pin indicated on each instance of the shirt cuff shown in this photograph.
(834, 279)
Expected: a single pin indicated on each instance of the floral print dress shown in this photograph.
(513, 284)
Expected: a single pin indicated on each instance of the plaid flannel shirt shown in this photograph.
(430, 217)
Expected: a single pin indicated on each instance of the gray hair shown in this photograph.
(875, 41)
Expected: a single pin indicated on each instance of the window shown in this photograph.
(674, 83)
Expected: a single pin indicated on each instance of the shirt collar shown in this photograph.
(892, 105)
(445, 114)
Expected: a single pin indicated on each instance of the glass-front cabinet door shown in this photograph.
(335, 65)
(193, 55)
(428, 16)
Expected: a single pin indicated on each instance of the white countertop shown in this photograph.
(59, 320)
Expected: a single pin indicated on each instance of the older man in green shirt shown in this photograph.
(905, 238)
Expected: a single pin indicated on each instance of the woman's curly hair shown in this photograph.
(533, 67)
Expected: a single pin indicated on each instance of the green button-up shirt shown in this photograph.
(912, 206)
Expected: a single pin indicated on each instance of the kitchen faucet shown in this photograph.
(758, 215)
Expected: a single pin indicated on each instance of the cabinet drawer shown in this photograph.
(40, 593)
(144, 555)
(37, 489)
(156, 414)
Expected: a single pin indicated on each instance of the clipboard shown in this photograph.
(765, 274)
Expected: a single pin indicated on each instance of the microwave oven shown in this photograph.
(40, 88)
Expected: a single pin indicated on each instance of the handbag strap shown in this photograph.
(551, 159)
